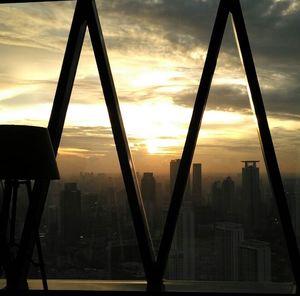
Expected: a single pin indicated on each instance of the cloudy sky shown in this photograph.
(157, 50)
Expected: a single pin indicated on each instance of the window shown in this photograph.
(229, 231)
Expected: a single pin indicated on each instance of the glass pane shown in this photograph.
(279, 76)
(90, 232)
(228, 229)
(32, 40)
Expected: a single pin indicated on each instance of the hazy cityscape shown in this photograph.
(228, 227)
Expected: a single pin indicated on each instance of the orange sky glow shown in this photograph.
(156, 65)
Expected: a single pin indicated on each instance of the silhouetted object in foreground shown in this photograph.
(25, 154)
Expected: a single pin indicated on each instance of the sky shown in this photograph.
(156, 49)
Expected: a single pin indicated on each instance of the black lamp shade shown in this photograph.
(26, 153)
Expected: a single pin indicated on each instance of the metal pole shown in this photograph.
(15, 186)
(38, 243)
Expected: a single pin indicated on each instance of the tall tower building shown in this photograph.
(70, 214)
(228, 237)
(292, 193)
(182, 255)
(255, 261)
(197, 184)
(148, 189)
(182, 263)
(228, 190)
(174, 166)
(222, 194)
(251, 197)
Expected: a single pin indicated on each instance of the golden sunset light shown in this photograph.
(156, 73)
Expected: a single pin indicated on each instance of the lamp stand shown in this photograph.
(8, 223)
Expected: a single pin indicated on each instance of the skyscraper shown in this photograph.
(182, 263)
(148, 189)
(197, 184)
(70, 214)
(174, 166)
(182, 256)
(222, 194)
(251, 198)
(228, 197)
(255, 261)
(228, 237)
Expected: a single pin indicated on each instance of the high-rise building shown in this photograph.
(228, 190)
(222, 194)
(228, 237)
(182, 263)
(70, 214)
(174, 166)
(251, 197)
(255, 261)
(197, 184)
(216, 198)
(148, 189)
(292, 193)
(123, 260)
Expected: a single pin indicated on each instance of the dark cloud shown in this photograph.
(189, 23)
(220, 97)
(185, 25)
(182, 24)
(272, 30)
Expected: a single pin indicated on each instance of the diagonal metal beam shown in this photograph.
(67, 74)
(265, 137)
(131, 184)
(56, 122)
(191, 140)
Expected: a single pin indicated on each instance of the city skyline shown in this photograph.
(212, 241)
(156, 61)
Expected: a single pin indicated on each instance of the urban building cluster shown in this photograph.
(228, 229)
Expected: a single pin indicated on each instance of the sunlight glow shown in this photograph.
(222, 117)
(32, 115)
(16, 91)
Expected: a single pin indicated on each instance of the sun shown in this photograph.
(152, 146)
